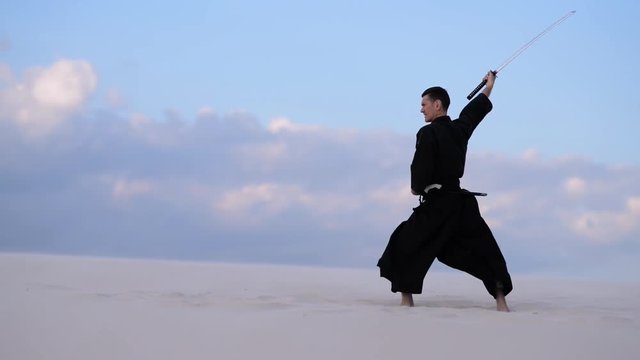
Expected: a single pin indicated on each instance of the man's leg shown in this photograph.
(416, 243)
(474, 250)
(501, 302)
(407, 299)
(481, 271)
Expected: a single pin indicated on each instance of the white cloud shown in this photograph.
(499, 208)
(163, 134)
(124, 189)
(264, 155)
(140, 121)
(254, 203)
(282, 124)
(609, 226)
(205, 111)
(258, 203)
(276, 197)
(501, 202)
(64, 85)
(47, 96)
(575, 186)
(531, 155)
(393, 196)
(115, 99)
(633, 204)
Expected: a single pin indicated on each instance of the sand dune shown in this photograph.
(90, 308)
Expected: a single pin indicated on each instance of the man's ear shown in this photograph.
(438, 104)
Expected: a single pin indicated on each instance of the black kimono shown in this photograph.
(447, 224)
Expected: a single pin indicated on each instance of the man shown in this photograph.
(447, 224)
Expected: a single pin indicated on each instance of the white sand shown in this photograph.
(87, 308)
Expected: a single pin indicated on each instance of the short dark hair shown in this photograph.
(438, 93)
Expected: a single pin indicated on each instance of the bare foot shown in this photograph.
(501, 302)
(407, 300)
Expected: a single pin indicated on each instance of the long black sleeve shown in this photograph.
(473, 113)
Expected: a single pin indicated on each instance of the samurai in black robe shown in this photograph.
(447, 224)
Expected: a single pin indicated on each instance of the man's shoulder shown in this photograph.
(426, 130)
(425, 134)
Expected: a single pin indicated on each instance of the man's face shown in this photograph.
(430, 108)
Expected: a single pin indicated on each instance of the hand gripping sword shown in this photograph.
(520, 51)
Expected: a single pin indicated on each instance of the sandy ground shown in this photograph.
(90, 308)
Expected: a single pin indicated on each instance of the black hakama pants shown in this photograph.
(447, 226)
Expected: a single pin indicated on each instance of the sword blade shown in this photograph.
(535, 38)
(520, 51)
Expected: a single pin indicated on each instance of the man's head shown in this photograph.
(435, 102)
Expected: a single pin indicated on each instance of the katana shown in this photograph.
(520, 51)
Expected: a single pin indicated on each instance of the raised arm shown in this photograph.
(472, 114)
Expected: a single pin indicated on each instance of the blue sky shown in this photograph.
(138, 129)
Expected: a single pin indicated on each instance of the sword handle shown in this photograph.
(480, 86)
(475, 91)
